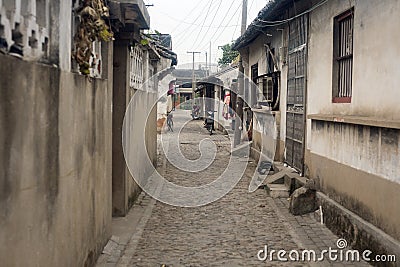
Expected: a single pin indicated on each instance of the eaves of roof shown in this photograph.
(226, 69)
(130, 12)
(161, 51)
(271, 11)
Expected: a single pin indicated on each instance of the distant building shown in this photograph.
(183, 82)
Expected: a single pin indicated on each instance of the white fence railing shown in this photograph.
(136, 67)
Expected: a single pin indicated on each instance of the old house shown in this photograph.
(62, 173)
(225, 93)
(328, 72)
(264, 53)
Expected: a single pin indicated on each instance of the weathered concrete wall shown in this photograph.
(55, 166)
(142, 156)
(257, 54)
(357, 164)
(360, 234)
(266, 134)
(373, 195)
(125, 189)
(374, 150)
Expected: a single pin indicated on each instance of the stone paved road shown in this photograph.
(228, 232)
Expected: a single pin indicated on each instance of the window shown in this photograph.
(269, 85)
(254, 72)
(254, 85)
(268, 88)
(136, 69)
(343, 57)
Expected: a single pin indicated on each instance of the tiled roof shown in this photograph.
(271, 11)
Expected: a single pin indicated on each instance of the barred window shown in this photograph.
(136, 69)
(343, 57)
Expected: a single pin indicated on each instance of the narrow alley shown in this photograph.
(199, 133)
(229, 232)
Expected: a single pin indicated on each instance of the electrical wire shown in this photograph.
(220, 26)
(182, 35)
(204, 21)
(251, 5)
(248, 12)
(234, 32)
(197, 25)
(279, 22)
(215, 15)
(222, 21)
(187, 16)
(282, 22)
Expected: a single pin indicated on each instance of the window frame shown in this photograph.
(342, 93)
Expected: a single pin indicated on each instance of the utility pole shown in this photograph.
(210, 57)
(193, 81)
(206, 65)
(239, 98)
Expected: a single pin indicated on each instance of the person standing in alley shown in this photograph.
(170, 122)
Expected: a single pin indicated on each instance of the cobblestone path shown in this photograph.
(228, 232)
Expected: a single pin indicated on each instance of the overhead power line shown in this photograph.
(280, 22)
(186, 31)
(197, 25)
(187, 16)
(204, 21)
(226, 15)
(212, 21)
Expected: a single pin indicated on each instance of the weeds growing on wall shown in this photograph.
(92, 27)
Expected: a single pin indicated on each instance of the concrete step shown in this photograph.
(277, 190)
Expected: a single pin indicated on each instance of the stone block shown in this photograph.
(277, 191)
(303, 201)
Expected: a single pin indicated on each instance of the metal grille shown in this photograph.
(296, 92)
(345, 55)
(268, 89)
(297, 32)
(136, 69)
(95, 60)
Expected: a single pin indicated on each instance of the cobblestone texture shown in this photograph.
(228, 232)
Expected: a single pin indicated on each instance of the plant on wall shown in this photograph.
(146, 38)
(92, 27)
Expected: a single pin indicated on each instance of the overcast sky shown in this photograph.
(193, 24)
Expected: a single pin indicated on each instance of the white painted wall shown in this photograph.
(376, 76)
(376, 80)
